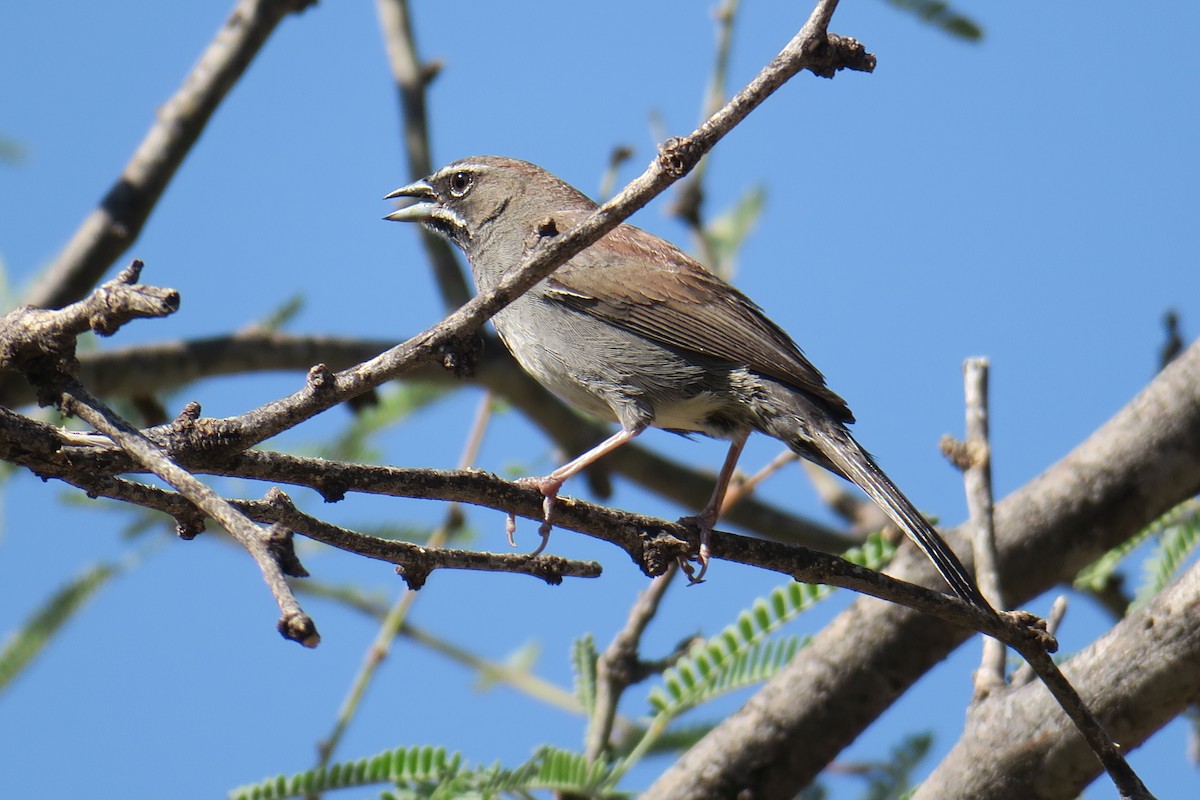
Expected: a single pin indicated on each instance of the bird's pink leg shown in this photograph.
(706, 520)
(549, 485)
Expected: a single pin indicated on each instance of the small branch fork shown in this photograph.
(42, 344)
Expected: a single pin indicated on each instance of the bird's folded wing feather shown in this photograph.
(684, 307)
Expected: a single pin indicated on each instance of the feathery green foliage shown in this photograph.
(1095, 576)
(405, 767)
(704, 675)
(431, 772)
(583, 662)
(727, 233)
(941, 15)
(740, 655)
(1178, 533)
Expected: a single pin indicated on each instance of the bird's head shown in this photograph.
(487, 199)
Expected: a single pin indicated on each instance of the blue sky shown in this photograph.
(1030, 198)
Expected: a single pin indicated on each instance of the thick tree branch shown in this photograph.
(1137, 677)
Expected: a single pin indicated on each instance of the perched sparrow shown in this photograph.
(634, 330)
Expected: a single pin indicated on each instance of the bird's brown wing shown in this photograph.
(658, 292)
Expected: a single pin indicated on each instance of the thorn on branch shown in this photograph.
(332, 488)
(460, 356)
(430, 70)
(842, 52)
(963, 455)
(280, 545)
(279, 499)
(188, 528)
(660, 551)
(299, 627)
(678, 155)
(189, 413)
(320, 379)
(414, 574)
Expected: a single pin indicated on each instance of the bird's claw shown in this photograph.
(703, 554)
(548, 486)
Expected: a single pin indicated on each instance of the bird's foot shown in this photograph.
(548, 486)
(704, 522)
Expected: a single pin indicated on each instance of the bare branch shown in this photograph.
(1137, 677)
(294, 624)
(113, 226)
(148, 369)
(41, 343)
(977, 478)
(620, 665)
(412, 78)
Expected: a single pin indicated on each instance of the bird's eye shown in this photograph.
(460, 183)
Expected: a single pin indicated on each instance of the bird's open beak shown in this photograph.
(419, 211)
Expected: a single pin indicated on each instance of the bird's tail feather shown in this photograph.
(857, 465)
(813, 434)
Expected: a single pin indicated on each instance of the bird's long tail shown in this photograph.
(814, 434)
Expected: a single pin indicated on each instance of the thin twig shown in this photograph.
(619, 155)
(294, 624)
(689, 201)
(413, 562)
(412, 78)
(740, 489)
(1108, 751)
(619, 666)
(397, 615)
(977, 478)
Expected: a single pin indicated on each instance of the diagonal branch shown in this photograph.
(294, 624)
(115, 224)
(1138, 676)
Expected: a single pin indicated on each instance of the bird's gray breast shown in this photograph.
(614, 374)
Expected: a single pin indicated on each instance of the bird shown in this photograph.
(633, 330)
